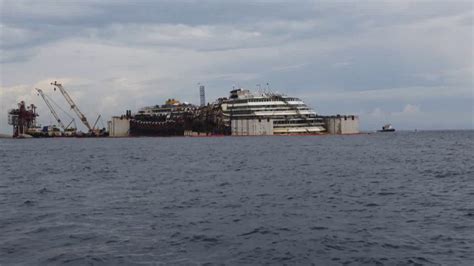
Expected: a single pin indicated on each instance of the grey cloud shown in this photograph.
(173, 12)
(285, 19)
(132, 53)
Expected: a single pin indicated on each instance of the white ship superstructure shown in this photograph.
(289, 115)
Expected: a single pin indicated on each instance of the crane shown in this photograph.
(73, 105)
(40, 92)
(48, 101)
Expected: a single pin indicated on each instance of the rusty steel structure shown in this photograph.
(175, 118)
(22, 119)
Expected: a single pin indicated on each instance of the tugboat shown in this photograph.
(387, 128)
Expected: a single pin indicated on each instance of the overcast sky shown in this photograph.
(408, 63)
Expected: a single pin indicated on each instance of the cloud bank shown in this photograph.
(409, 63)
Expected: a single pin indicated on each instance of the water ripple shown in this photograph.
(379, 199)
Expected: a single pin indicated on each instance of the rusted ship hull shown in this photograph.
(151, 128)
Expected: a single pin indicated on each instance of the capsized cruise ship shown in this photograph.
(270, 112)
(243, 113)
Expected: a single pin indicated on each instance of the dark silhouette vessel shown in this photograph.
(387, 128)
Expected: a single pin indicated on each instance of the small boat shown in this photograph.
(387, 128)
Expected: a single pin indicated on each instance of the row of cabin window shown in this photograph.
(289, 122)
(265, 108)
(266, 100)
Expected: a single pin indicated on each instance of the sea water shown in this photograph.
(403, 198)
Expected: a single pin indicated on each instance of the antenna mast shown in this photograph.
(202, 94)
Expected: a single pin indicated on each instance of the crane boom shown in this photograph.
(73, 105)
(51, 109)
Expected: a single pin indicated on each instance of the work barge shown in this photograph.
(242, 113)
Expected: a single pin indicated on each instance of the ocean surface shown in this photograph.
(404, 198)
